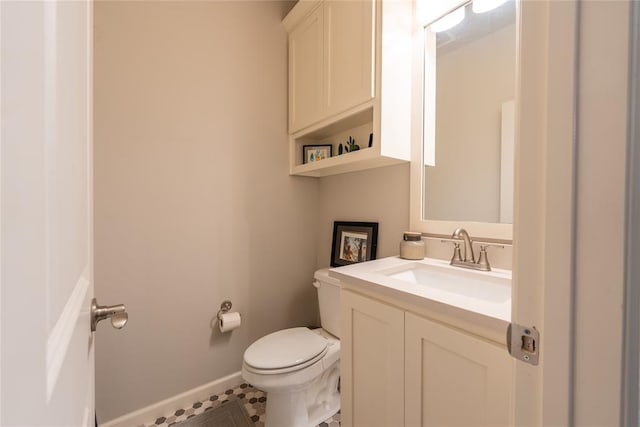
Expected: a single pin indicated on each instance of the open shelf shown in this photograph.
(358, 125)
(366, 158)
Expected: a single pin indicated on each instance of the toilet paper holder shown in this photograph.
(224, 307)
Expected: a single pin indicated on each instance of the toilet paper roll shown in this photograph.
(229, 321)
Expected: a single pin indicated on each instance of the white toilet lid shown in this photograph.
(285, 348)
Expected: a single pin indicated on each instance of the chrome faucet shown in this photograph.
(468, 259)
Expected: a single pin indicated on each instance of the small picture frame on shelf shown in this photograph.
(315, 153)
(353, 242)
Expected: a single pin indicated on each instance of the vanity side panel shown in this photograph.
(372, 342)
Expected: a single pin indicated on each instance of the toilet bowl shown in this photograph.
(299, 368)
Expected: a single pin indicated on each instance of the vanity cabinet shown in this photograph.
(403, 369)
(349, 76)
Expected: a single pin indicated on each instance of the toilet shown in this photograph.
(299, 368)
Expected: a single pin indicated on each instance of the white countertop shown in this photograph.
(470, 294)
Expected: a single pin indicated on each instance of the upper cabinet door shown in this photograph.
(349, 42)
(306, 71)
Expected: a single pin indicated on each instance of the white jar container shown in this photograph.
(412, 246)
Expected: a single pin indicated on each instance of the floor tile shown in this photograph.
(254, 401)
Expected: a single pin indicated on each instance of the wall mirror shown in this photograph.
(466, 144)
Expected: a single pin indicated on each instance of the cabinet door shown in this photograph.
(306, 71)
(454, 379)
(371, 363)
(349, 42)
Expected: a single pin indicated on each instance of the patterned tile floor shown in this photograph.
(254, 400)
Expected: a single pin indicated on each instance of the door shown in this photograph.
(569, 219)
(349, 45)
(47, 375)
(305, 71)
(453, 378)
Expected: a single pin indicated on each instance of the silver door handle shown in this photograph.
(117, 313)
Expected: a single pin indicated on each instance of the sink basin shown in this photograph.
(485, 286)
(435, 284)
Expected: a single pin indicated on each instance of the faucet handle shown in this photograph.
(483, 260)
(457, 256)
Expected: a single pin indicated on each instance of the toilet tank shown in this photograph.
(328, 300)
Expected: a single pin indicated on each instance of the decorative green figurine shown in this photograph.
(351, 145)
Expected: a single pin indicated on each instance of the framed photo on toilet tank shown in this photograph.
(353, 242)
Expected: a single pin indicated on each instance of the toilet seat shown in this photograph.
(285, 351)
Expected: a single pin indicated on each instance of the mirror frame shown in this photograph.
(430, 11)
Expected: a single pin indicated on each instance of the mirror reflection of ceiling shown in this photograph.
(475, 26)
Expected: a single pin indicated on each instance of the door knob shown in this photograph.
(117, 313)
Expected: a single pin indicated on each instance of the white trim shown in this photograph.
(60, 335)
(176, 402)
(49, 138)
(87, 418)
(507, 147)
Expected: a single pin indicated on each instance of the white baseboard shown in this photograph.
(182, 400)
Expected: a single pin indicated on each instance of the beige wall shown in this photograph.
(376, 195)
(193, 202)
(380, 195)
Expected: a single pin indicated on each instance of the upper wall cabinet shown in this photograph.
(330, 61)
(349, 80)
